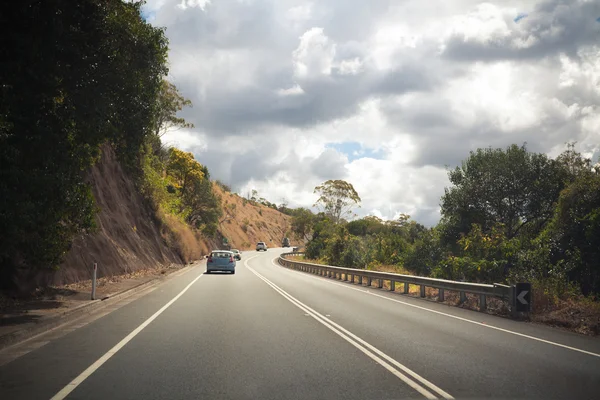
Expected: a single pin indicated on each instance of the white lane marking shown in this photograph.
(447, 315)
(64, 392)
(368, 349)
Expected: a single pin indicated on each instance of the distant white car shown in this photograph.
(261, 246)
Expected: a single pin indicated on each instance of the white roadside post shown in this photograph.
(94, 281)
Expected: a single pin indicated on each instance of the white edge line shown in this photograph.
(442, 313)
(348, 336)
(64, 392)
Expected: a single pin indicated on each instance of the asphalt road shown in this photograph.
(272, 333)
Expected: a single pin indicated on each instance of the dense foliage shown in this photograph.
(509, 215)
(76, 75)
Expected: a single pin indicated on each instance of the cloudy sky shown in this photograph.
(383, 94)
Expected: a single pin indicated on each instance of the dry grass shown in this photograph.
(580, 315)
(180, 236)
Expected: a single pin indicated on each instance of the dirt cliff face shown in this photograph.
(130, 237)
(252, 223)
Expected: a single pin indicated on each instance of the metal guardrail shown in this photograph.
(496, 290)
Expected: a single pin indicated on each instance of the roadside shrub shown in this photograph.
(354, 254)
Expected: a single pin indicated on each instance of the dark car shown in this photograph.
(236, 254)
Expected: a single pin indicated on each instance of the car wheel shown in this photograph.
(208, 271)
(233, 272)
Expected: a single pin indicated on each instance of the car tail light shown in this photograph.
(230, 258)
(209, 259)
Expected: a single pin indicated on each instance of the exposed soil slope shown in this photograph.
(252, 223)
(130, 237)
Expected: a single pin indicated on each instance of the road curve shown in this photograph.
(268, 332)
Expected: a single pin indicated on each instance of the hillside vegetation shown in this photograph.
(510, 215)
(85, 176)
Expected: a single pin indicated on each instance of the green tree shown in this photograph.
(169, 103)
(302, 223)
(185, 171)
(74, 76)
(368, 225)
(204, 208)
(574, 232)
(337, 198)
(512, 187)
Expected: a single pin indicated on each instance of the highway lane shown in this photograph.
(272, 333)
(226, 336)
(440, 343)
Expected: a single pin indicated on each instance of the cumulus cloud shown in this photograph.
(384, 94)
(490, 32)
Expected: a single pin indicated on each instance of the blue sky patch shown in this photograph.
(355, 151)
(520, 17)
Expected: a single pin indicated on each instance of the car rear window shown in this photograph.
(260, 243)
(221, 254)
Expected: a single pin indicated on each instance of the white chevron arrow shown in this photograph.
(521, 297)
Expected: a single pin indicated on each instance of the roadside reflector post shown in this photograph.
(440, 294)
(521, 298)
(392, 286)
(94, 274)
(422, 291)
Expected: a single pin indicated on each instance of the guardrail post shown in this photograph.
(360, 280)
(346, 277)
(369, 281)
(422, 291)
(440, 294)
(406, 287)
(352, 278)
(380, 283)
(463, 297)
(482, 302)
(392, 286)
